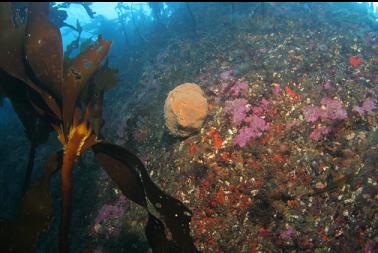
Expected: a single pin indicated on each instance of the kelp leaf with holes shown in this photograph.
(129, 173)
(44, 50)
(77, 75)
(21, 234)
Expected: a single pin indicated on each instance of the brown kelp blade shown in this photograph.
(36, 129)
(77, 75)
(19, 94)
(126, 178)
(96, 120)
(105, 77)
(125, 168)
(11, 43)
(12, 38)
(92, 94)
(21, 234)
(44, 50)
(155, 233)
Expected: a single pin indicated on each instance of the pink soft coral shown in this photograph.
(318, 133)
(256, 126)
(262, 107)
(311, 113)
(238, 109)
(327, 85)
(285, 235)
(109, 211)
(253, 123)
(367, 106)
(276, 88)
(330, 109)
(239, 88)
(227, 75)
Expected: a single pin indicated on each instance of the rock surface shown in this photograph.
(185, 109)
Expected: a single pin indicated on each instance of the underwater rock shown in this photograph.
(185, 109)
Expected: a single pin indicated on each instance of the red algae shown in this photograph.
(217, 141)
(214, 136)
(225, 156)
(355, 61)
(291, 93)
(193, 149)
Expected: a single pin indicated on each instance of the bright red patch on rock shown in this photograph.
(278, 158)
(220, 198)
(291, 92)
(193, 149)
(355, 61)
(225, 156)
(217, 141)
